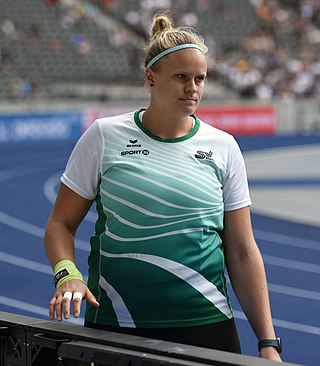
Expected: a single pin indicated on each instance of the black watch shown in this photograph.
(276, 343)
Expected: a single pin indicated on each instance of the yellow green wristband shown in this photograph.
(65, 270)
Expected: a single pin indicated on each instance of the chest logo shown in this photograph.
(133, 143)
(203, 155)
(135, 152)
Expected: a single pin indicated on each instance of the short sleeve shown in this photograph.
(235, 185)
(83, 170)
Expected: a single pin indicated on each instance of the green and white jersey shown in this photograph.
(156, 257)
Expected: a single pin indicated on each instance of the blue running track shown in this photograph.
(29, 179)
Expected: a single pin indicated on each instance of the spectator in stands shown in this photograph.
(21, 86)
(26, 87)
(298, 69)
(9, 29)
(52, 2)
(5, 59)
(173, 207)
(107, 4)
(81, 43)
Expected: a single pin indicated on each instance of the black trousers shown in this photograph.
(221, 336)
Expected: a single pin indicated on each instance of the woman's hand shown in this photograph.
(71, 291)
(270, 353)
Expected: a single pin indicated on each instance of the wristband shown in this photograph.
(65, 270)
(276, 343)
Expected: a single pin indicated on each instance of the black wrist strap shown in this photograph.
(276, 343)
(57, 277)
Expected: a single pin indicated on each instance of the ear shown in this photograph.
(149, 77)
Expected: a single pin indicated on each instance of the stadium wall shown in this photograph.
(61, 121)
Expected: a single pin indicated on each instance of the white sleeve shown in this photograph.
(83, 170)
(235, 186)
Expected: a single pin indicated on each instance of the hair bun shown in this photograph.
(164, 35)
(160, 24)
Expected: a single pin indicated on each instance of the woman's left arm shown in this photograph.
(247, 274)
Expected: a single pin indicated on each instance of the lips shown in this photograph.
(189, 99)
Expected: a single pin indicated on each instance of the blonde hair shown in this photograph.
(163, 35)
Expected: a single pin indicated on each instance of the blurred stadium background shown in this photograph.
(63, 63)
(53, 49)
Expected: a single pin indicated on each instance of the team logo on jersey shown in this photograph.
(203, 155)
(135, 152)
(133, 143)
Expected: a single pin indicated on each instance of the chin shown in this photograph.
(189, 111)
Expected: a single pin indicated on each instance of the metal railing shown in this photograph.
(27, 341)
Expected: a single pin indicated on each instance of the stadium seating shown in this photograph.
(59, 48)
(52, 45)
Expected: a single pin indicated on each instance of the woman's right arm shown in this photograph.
(59, 240)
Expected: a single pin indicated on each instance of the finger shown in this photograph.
(57, 308)
(91, 299)
(66, 300)
(77, 299)
(52, 304)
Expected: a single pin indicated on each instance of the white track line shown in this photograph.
(287, 240)
(42, 311)
(292, 291)
(34, 229)
(83, 245)
(34, 309)
(291, 264)
(27, 264)
(285, 324)
(49, 190)
(46, 269)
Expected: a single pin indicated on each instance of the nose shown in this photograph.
(191, 86)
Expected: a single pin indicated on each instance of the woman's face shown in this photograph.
(178, 82)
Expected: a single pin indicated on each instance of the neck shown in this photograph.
(160, 125)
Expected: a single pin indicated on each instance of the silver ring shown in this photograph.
(67, 295)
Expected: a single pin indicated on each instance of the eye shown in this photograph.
(200, 79)
(181, 76)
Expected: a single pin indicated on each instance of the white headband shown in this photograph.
(170, 50)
